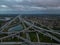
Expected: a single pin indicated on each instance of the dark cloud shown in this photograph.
(29, 5)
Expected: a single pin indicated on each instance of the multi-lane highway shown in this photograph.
(31, 25)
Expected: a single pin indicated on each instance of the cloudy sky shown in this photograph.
(30, 6)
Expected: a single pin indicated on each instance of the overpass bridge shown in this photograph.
(28, 27)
